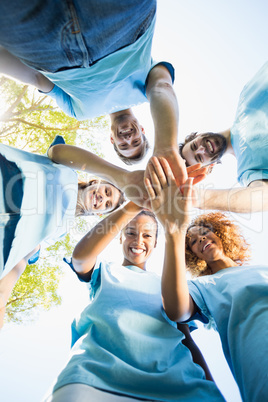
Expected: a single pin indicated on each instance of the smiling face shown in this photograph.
(127, 135)
(100, 197)
(139, 239)
(205, 244)
(204, 148)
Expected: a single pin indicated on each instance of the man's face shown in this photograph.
(204, 148)
(128, 136)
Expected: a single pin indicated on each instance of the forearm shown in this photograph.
(175, 293)
(94, 242)
(14, 68)
(8, 282)
(164, 108)
(165, 115)
(81, 159)
(241, 200)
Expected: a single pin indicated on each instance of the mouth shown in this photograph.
(206, 246)
(94, 200)
(137, 251)
(210, 147)
(125, 131)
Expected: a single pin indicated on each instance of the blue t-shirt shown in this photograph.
(123, 342)
(114, 83)
(48, 202)
(235, 302)
(249, 133)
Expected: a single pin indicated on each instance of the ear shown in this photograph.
(112, 138)
(155, 244)
(142, 130)
(121, 240)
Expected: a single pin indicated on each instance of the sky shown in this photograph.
(216, 47)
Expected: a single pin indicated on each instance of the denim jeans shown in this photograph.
(52, 35)
(11, 194)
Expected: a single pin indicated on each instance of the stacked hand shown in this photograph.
(134, 181)
(171, 205)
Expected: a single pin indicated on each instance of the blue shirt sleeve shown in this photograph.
(64, 101)
(168, 66)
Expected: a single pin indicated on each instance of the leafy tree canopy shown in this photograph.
(30, 120)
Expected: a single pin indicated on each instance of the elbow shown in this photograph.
(178, 309)
(161, 87)
(176, 313)
(54, 153)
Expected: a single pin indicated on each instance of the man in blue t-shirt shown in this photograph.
(94, 58)
(247, 140)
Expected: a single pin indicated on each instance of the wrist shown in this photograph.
(133, 208)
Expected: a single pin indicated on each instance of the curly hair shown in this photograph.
(233, 242)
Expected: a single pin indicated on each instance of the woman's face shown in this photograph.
(205, 244)
(139, 240)
(100, 197)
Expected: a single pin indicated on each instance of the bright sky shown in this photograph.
(215, 47)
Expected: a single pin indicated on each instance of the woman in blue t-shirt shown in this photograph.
(38, 203)
(124, 347)
(231, 297)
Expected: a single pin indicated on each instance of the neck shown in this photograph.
(126, 263)
(220, 264)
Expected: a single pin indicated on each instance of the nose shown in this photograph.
(202, 238)
(100, 199)
(202, 150)
(139, 239)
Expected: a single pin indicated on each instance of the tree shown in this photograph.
(30, 120)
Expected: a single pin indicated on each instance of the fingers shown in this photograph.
(199, 178)
(149, 188)
(187, 190)
(198, 170)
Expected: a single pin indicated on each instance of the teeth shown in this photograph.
(208, 244)
(136, 250)
(210, 146)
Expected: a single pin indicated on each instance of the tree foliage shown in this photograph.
(30, 120)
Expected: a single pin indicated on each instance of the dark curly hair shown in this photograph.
(233, 242)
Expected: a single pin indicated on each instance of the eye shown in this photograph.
(199, 159)
(108, 205)
(107, 192)
(194, 146)
(193, 242)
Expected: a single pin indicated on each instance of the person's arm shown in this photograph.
(8, 282)
(165, 115)
(173, 211)
(196, 353)
(11, 66)
(253, 198)
(131, 183)
(97, 239)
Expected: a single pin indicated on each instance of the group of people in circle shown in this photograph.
(133, 340)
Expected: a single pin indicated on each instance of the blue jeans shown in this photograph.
(52, 35)
(11, 194)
